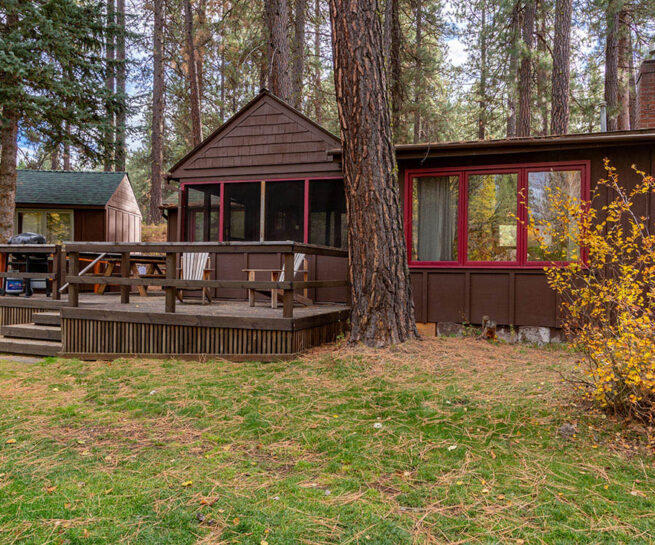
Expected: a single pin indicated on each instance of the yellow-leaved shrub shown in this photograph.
(608, 296)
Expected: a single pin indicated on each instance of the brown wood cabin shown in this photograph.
(270, 173)
(77, 206)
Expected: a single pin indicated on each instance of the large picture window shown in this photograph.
(479, 216)
(55, 225)
(306, 210)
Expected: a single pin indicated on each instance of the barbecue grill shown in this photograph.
(28, 262)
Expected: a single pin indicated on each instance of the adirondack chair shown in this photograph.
(195, 266)
(300, 265)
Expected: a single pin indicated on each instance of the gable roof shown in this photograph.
(67, 187)
(264, 137)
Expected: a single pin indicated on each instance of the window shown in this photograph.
(307, 210)
(434, 218)
(327, 213)
(543, 185)
(55, 225)
(478, 216)
(492, 221)
(203, 207)
(242, 211)
(285, 211)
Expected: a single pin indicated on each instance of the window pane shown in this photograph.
(285, 206)
(542, 187)
(59, 227)
(202, 212)
(434, 218)
(327, 213)
(492, 224)
(32, 222)
(242, 206)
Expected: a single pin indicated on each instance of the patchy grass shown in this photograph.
(439, 441)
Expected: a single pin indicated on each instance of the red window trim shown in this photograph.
(522, 170)
(184, 186)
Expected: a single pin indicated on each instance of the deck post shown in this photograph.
(56, 281)
(287, 297)
(125, 273)
(73, 270)
(171, 269)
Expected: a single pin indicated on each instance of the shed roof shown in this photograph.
(61, 187)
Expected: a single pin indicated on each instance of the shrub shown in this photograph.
(608, 296)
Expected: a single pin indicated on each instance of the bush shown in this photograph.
(608, 297)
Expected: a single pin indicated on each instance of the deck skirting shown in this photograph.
(90, 339)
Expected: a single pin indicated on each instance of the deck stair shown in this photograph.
(42, 337)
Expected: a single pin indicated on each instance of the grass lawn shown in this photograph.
(439, 441)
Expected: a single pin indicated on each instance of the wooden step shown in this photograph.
(46, 318)
(33, 331)
(30, 347)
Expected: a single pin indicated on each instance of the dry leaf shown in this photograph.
(11, 441)
(187, 483)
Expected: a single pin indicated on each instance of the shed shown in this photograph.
(80, 206)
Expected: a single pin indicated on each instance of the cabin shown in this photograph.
(270, 173)
(77, 206)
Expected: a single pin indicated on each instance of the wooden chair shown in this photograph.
(195, 266)
(300, 265)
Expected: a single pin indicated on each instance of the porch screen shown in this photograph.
(285, 211)
(327, 213)
(545, 187)
(434, 218)
(242, 211)
(202, 213)
(492, 223)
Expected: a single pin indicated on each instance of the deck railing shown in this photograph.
(56, 259)
(173, 250)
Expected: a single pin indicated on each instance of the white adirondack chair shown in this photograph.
(195, 266)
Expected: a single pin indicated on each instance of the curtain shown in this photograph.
(437, 214)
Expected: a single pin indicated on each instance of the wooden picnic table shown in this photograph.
(152, 268)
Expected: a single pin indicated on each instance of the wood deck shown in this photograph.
(103, 328)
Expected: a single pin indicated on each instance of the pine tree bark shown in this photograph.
(624, 53)
(121, 71)
(279, 50)
(632, 82)
(8, 159)
(561, 79)
(157, 111)
(395, 64)
(418, 77)
(54, 157)
(110, 84)
(523, 125)
(541, 68)
(612, 65)
(318, 84)
(513, 69)
(482, 91)
(382, 306)
(192, 75)
(298, 65)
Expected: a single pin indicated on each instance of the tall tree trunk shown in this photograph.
(110, 84)
(157, 111)
(279, 51)
(612, 65)
(8, 159)
(632, 82)
(525, 76)
(542, 71)
(395, 65)
(54, 158)
(482, 92)
(192, 74)
(382, 305)
(561, 79)
(298, 65)
(318, 85)
(418, 77)
(121, 69)
(624, 53)
(67, 148)
(513, 69)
